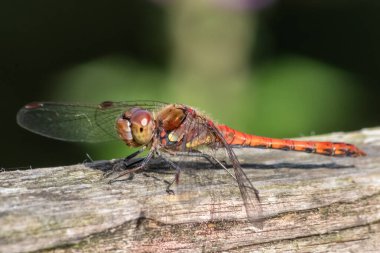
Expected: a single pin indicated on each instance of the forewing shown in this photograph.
(77, 122)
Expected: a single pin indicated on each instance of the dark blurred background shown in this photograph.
(276, 68)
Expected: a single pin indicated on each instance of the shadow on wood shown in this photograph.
(310, 202)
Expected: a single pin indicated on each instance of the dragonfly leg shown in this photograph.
(142, 166)
(176, 177)
(126, 163)
(134, 154)
(194, 153)
(209, 158)
(129, 165)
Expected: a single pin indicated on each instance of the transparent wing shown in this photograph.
(77, 122)
(207, 133)
(249, 193)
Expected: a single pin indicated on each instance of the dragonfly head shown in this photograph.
(136, 127)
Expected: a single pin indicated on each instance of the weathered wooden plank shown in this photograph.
(311, 203)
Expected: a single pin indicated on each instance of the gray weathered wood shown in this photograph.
(311, 203)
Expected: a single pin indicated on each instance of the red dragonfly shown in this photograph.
(161, 127)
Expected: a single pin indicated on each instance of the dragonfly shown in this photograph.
(175, 129)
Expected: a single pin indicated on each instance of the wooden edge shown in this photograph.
(310, 203)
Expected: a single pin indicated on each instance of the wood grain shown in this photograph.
(311, 203)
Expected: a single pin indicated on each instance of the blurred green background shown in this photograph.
(275, 68)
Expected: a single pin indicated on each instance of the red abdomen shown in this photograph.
(234, 137)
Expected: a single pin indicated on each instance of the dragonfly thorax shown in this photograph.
(136, 127)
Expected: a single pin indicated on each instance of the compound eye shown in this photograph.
(142, 126)
(141, 118)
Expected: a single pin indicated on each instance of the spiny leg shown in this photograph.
(176, 177)
(209, 158)
(140, 167)
(195, 153)
(134, 154)
(123, 165)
